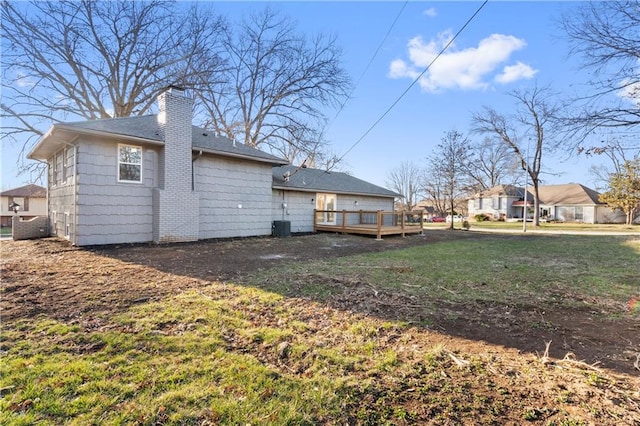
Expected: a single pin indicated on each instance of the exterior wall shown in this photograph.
(37, 207)
(235, 197)
(606, 214)
(62, 198)
(486, 207)
(570, 213)
(109, 212)
(36, 227)
(300, 206)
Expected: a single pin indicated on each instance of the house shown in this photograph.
(570, 202)
(31, 200)
(158, 178)
(498, 202)
(297, 192)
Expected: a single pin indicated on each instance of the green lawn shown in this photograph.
(604, 227)
(531, 269)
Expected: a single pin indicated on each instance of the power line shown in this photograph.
(415, 80)
(373, 57)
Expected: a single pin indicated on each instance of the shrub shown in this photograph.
(481, 217)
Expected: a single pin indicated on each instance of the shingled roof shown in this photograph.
(146, 129)
(316, 180)
(570, 193)
(508, 190)
(30, 190)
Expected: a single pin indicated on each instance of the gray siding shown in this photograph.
(299, 207)
(235, 197)
(111, 212)
(61, 203)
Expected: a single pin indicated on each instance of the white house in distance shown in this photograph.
(31, 200)
(570, 202)
(158, 178)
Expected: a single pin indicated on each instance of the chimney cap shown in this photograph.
(173, 88)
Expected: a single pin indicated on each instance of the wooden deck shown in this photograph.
(368, 222)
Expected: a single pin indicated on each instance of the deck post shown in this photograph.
(315, 221)
(402, 223)
(379, 225)
(344, 221)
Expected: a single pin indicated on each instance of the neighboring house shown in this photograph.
(498, 202)
(568, 203)
(158, 178)
(32, 200)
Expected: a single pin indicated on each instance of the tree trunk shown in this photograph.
(536, 207)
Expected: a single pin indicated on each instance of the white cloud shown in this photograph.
(22, 80)
(516, 72)
(631, 89)
(468, 69)
(630, 92)
(431, 12)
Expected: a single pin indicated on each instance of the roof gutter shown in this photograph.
(241, 156)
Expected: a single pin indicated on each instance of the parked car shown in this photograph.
(456, 218)
(437, 219)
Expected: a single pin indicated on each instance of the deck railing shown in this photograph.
(376, 222)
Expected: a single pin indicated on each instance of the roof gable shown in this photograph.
(316, 180)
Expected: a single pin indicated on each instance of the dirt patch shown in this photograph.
(77, 285)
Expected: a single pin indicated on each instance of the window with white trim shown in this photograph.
(69, 163)
(59, 170)
(129, 163)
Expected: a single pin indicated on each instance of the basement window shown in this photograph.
(129, 163)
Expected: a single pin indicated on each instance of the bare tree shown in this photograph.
(406, 181)
(276, 86)
(618, 150)
(534, 115)
(606, 35)
(448, 162)
(433, 186)
(91, 60)
(491, 163)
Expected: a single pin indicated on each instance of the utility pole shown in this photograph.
(526, 180)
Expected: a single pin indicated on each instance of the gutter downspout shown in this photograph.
(193, 173)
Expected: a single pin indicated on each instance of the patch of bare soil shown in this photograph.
(84, 286)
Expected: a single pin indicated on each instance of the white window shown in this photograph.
(59, 170)
(129, 163)
(495, 203)
(69, 163)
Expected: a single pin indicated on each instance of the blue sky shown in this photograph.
(507, 46)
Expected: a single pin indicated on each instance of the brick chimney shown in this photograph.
(175, 204)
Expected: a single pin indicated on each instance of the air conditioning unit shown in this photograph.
(281, 228)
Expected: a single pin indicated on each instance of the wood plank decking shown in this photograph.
(367, 222)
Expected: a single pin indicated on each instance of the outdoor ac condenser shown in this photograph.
(281, 228)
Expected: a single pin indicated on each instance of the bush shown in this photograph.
(481, 218)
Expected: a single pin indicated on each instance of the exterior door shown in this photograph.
(327, 202)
